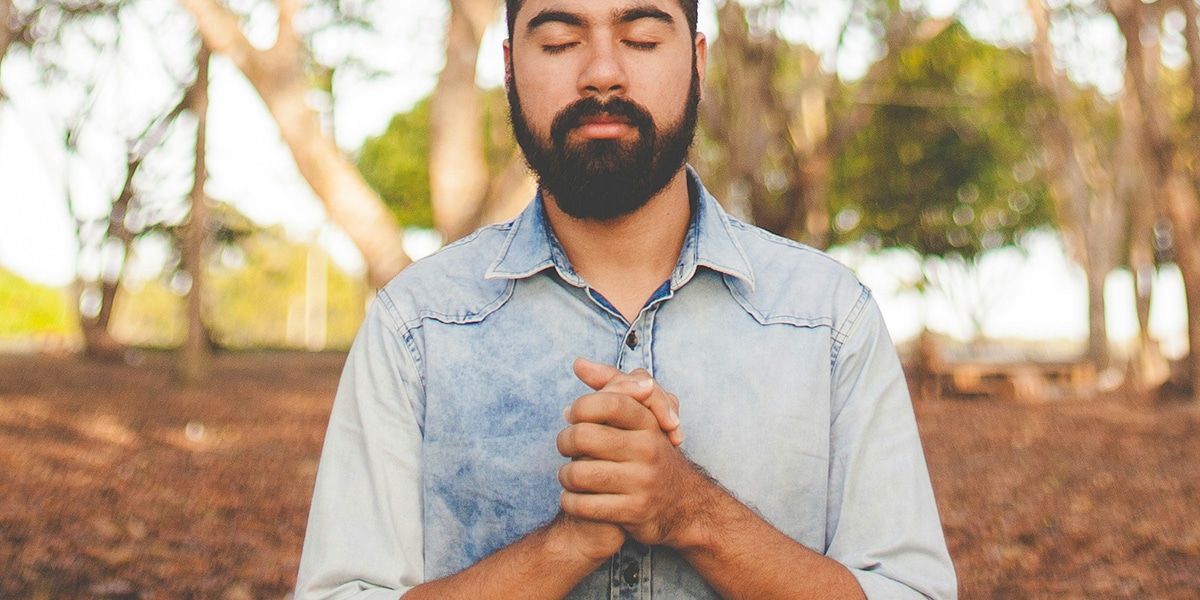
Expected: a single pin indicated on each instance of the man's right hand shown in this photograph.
(640, 386)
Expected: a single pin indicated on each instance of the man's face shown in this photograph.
(603, 97)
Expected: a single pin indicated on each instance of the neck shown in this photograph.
(628, 258)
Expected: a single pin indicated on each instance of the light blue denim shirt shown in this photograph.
(441, 444)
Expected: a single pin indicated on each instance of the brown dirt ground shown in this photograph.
(117, 484)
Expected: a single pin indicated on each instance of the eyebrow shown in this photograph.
(623, 17)
(553, 16)
(637, 14)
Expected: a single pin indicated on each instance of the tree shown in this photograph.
(396, 164)
(458, 173)
(193, 359)
(774, 120)
(1097, 201)
(6, 33)
(1168, 153)
(476, 173)
(278, 75)
(944, 165)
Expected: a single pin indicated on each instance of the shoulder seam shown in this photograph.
(843, 332)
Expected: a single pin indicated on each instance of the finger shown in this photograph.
(593, 477)
(676, 434)
(593, 507)
(637, 385)
(601, 442)
(593, 374)
(664, 405)
(610, 408)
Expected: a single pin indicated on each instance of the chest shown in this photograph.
(754, 405)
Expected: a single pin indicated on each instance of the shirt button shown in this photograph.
(631, 574)
(631, 340)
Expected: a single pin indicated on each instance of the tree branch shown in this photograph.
(222, 33)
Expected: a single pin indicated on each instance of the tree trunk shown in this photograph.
(749, 116)
(277, 74)
(193, 360)
(740, 114)
(1178, 193)
(1148, 369)
(1183, 209)
(97, 341)
(458, 171)
(6, 34)
(1093, 214)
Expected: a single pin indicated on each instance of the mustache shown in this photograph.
(573, 115)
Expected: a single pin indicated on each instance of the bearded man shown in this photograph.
(471, 454)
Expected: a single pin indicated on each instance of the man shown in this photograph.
(745, 433)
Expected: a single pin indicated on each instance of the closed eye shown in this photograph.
(641, 45)
(558, 48)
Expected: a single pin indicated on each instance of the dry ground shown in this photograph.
(115, 484)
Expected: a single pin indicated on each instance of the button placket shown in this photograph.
(629, 572)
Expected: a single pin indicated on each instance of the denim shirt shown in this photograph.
(441, 443)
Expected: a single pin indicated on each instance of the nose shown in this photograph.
(603, 74)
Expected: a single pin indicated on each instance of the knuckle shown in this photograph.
(569, 503)
(638, 506)
(614, 403)
(644, 448)
(604, 479)
(583, 438)
(566, 476)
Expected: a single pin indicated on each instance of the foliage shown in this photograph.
(257, 289)
(254, 298)
(946, 165)
(149, 315)
(396, 164)
(30, 309)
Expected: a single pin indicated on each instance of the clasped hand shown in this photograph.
(626, 469)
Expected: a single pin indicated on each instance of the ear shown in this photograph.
(507, 63)
(701, 59)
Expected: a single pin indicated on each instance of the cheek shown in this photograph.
(542, 99)
(663, 90)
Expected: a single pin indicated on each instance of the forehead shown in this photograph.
(594, 11)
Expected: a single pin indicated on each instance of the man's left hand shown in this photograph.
(628, 472)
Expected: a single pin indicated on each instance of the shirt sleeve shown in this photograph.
(882, 518)
(364, 537)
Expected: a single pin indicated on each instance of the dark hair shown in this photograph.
(689, 10)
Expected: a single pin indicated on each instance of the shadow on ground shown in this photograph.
(117, 484)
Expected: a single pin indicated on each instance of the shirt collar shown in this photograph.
(532, 247)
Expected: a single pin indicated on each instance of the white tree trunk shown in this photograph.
(458, 170)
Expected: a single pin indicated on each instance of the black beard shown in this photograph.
(602, 180)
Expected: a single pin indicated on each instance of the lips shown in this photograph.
(603, 127)
(589, 119)
(603, 119)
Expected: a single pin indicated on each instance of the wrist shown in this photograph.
(708, 515)
(582, 540)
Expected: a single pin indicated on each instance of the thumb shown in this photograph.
(595, 375)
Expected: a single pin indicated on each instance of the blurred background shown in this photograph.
(1002, 170)
(204, 190)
